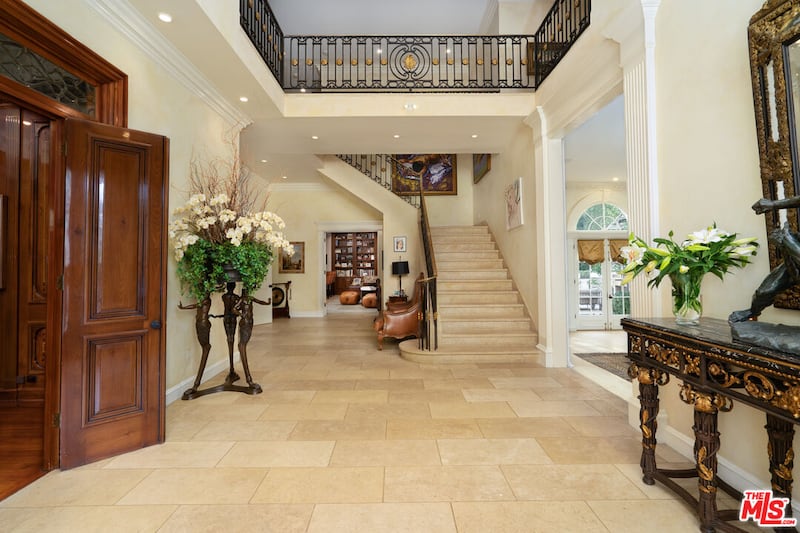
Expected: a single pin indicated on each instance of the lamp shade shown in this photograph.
(399, 268)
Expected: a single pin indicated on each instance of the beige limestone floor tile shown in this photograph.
(425, 396)
(669, 516)
(471, 410)
(310, 384)
(278, 454)
(596, 450)
(457, 384)
(570, 482)
(524, 382)
(382, 518)
(390, 384)
(356, 396)
(603, 426)
(401, 429)
(249, 430)
(526, 517)
(656, 491)
(86, 519)
(386, 411)
(228, 411)
(298, 397)
(266, 518)
(420, 372)
(358, 429)
(551, 394)
(77, 487)
(359, 373)
(445, 483)
(321, 485)
(386, 453)
(611, 407)
(194, 454)
(315, 411)
(196, 486)
(183, 428)
(559, 408)
(526, 427)
(461, 373)
(491, 452)
(499, 395)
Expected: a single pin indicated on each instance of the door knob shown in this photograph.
(155, 324)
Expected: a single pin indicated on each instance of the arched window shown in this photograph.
(603, 217)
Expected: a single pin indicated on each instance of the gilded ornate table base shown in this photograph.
(715, 371)
(236, 307)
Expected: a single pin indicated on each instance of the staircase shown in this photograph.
(481, 314)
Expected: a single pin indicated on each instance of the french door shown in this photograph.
(600, 299)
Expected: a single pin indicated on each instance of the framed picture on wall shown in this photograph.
(400, 245)
(481, 165)
(513, 200)
(294, 263)
(437, 172)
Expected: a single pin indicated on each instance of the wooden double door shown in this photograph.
(82, 277)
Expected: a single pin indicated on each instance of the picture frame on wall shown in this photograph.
(513, 201)
(294, 263)
(481, 165)
(400, 245)
(436, 171)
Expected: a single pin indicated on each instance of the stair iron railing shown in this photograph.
(376, 63)
(429, 315)
(378, 167)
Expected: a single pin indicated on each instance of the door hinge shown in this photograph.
(60, 282)
(56, 420)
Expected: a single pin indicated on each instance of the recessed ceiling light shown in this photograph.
(302, 89)
(410, 107)
(243, 99)
(263, 160)
(285, 177)
(26, 122)
(474, 135)
(315, 137)
(615, 178)
(396, 136)
(378, 51)
(165, 17)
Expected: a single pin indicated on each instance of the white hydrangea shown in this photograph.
(220, 199)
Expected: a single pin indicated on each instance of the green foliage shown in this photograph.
(201, 270)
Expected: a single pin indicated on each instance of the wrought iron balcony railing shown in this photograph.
(473, 63)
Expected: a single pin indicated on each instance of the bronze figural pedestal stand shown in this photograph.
(235, 306)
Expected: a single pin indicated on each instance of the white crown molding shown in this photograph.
(128, 21)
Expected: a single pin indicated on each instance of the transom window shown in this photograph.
(603, 217)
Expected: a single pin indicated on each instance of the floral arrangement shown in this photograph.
(708, 251)
(217, 232)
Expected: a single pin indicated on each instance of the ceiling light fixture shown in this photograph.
(449, 51)
(243, 99)
(410, 107)
(615, 178)
(396, 136)
(378, 51)
(474, 135)
(285, 177)
(263, 160)
(302, 89)
(165, 17)
(315, 137)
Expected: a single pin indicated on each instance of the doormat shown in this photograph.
(616, 363)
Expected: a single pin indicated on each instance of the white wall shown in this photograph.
(158, 104)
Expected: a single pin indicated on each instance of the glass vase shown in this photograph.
(686, 303)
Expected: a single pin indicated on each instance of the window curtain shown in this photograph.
(592, 252)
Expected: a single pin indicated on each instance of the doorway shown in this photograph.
(25, 189)
(602, 300)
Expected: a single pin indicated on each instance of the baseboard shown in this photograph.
(307, 314)
(175, 393)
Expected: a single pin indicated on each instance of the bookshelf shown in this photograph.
(355, 255)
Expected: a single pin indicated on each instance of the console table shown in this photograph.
(715, 371)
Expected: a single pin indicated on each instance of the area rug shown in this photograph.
(616, 363)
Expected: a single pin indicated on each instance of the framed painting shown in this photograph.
(437, 172)
(294, 263)
(400, 244)
(513, 199)
(481, 165)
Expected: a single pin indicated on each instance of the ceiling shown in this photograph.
(285, 139)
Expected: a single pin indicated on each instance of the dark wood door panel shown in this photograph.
(115, 242)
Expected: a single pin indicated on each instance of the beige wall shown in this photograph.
(708, 171)
(158, 104)
(454, 210)
(307, 213)
(518, 246)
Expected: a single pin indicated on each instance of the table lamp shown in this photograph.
(399, 268)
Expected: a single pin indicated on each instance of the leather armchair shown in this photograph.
(402, 322)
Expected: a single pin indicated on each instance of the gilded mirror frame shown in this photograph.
(772, 29)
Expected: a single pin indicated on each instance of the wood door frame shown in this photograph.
(31, 29)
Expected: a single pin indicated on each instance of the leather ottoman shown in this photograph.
(349, 297)
(370, 300)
